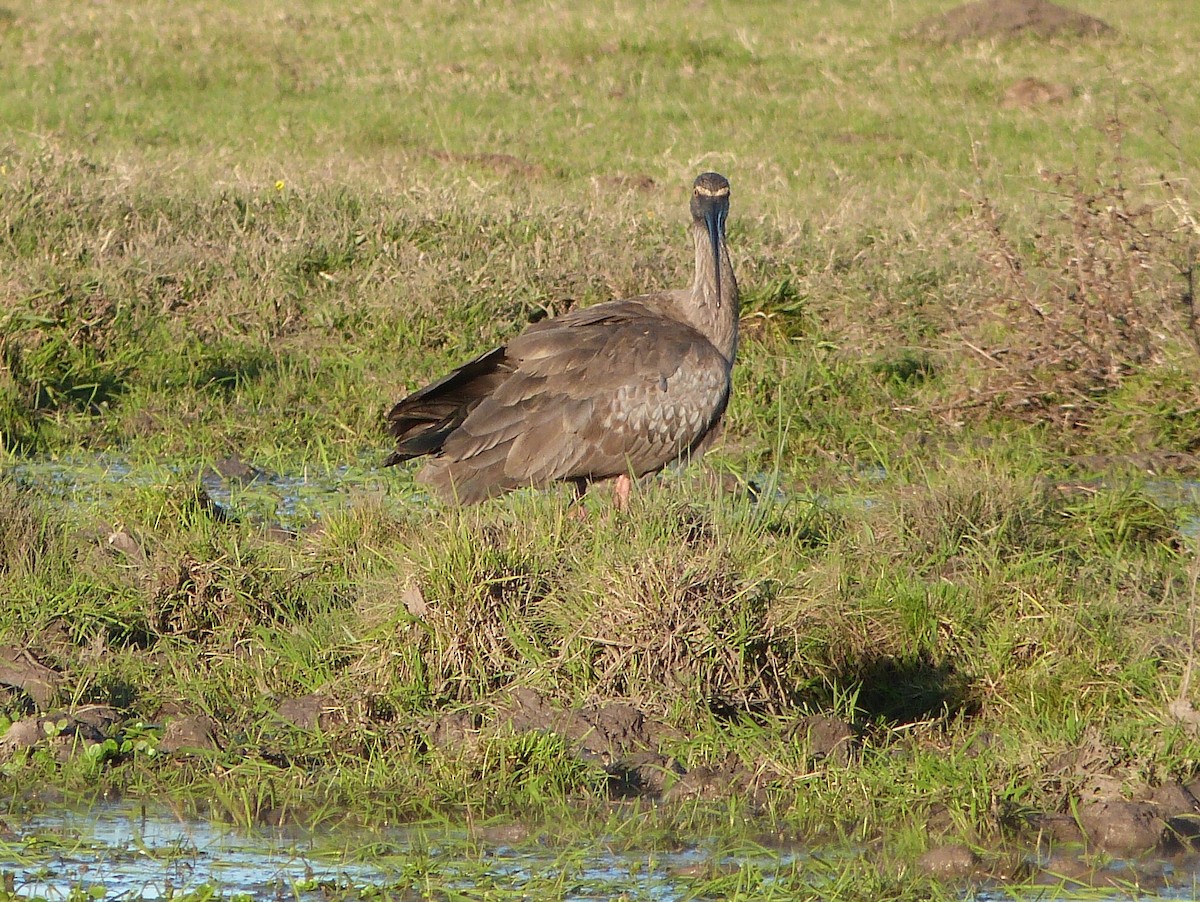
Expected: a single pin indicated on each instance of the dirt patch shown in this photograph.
(1122, 827)
(986, 19)
(629, 746)
(618, 738)
(1027, 93)
(604, 733)
(64, 733)
(126, 546)
(456, 732)
(623, 182)
(704, 784)
(1054, 828)
(235, 469)
(1114, 810)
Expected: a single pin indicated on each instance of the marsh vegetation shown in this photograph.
(927, 593)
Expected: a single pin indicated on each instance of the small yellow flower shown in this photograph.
(279, 185)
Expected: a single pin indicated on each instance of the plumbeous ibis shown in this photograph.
(615, 390)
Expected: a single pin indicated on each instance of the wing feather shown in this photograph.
(602, 391)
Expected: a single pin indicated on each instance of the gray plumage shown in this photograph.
(622, 388)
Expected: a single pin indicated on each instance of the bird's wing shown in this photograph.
(421, 421)
(596, 393)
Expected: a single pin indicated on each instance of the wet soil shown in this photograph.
(988, 19)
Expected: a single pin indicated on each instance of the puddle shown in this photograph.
(1181, 496)
(133, 852)
(124, 851)
(294, 501)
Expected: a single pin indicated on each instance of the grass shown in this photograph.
(968, 333)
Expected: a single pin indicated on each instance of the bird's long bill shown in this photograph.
(712, 219)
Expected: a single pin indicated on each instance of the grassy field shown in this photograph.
(966, 409)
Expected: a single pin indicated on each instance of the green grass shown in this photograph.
(244, 230)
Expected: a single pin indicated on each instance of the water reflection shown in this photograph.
(128, 851)
(133, 851)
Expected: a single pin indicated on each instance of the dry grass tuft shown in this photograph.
(681, 626)
(965, 511)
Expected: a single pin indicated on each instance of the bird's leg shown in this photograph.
(578, 511)
(621, 490)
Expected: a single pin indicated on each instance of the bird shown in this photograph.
(613, 391)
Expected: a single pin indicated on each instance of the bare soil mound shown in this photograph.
(1028, 93)
(1008, 18)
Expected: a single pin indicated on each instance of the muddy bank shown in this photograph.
(1109, 807)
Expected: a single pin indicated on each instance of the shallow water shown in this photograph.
(134, 851)
(149, 854)
(296, 500)
(138, 852)
(291, 501)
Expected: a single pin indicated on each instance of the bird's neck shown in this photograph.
(714, 301)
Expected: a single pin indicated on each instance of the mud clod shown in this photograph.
(236, 469)
(698, 784)
(189, 734)
(1055, 828)
(606, 733)
(455, 732)
(829, 739)
(1122, 827)
(644, 773)
(19, 669)
(21, 734)
(638, 181)
(1027, 93)
(1173, 798)
(617, 737)
(1183, 832)
(101, 718)
(949, 862)
(65, 733)
(309, 712)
